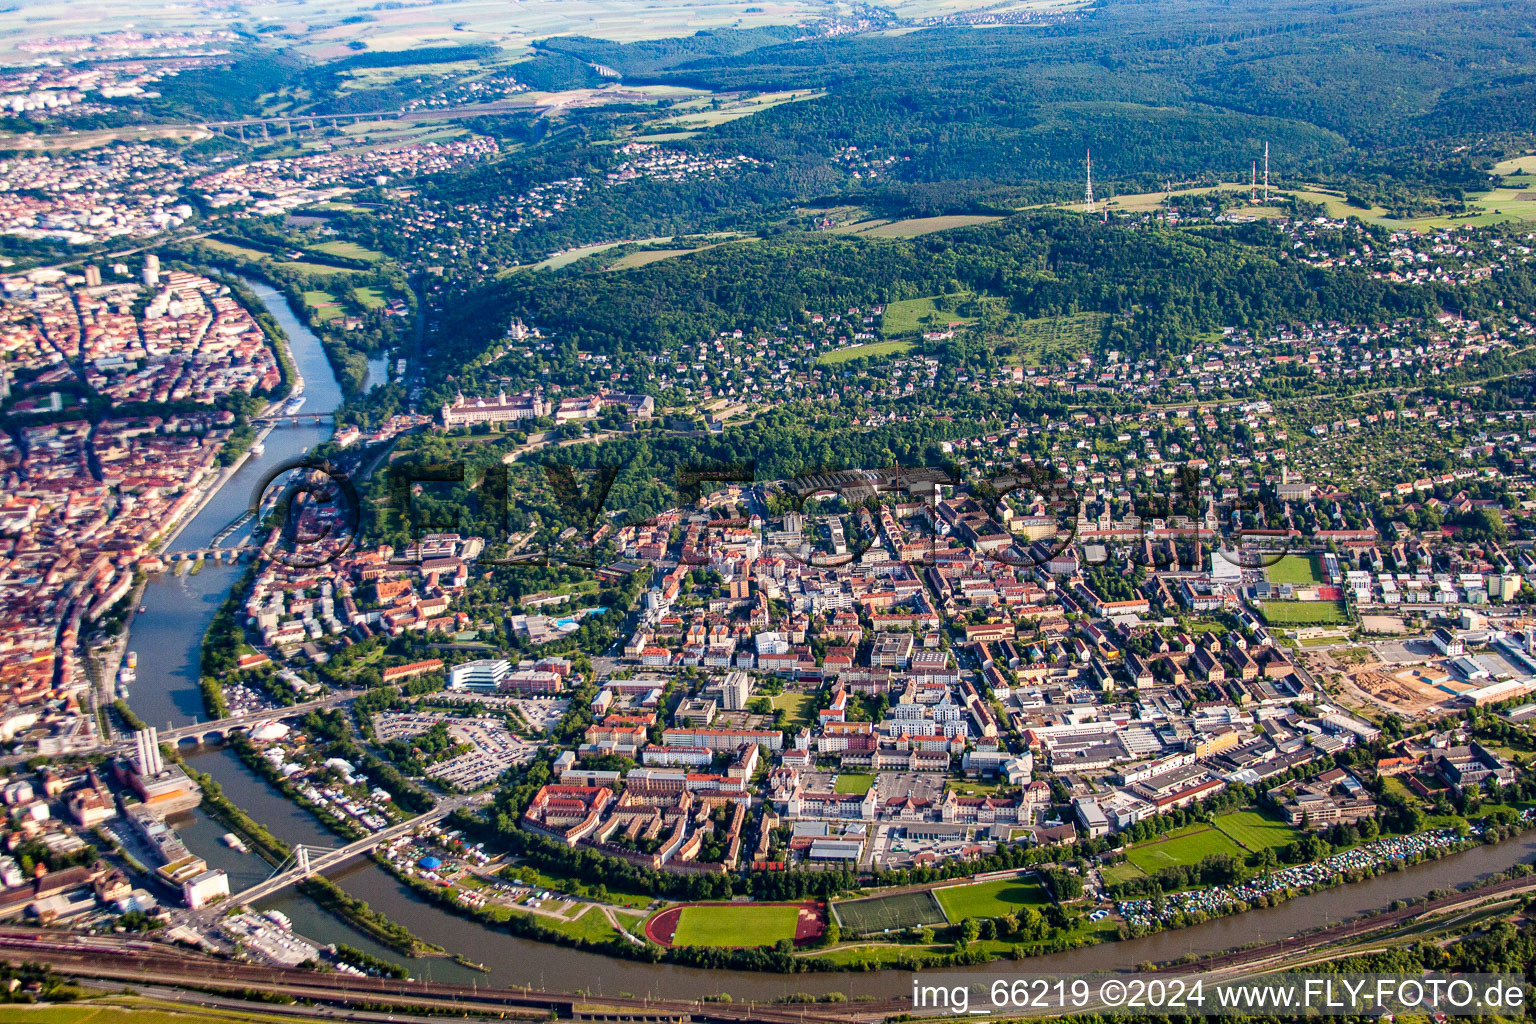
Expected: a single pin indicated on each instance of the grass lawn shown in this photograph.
(368, 298)
(524, 874)
(1116, 874)
(912, 316)
(1255, 831)
(317, 269)
(990, 899)
(744, 925)
(871, 350)
(230, 249)
(323, 303)
(1186, 846)
(348, 250)
(1298, 569)
(854, 784)
(592, 925)
(797, 704)
(1303, 613)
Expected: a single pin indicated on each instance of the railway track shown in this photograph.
(114, 958)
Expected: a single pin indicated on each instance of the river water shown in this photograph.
(178, 611)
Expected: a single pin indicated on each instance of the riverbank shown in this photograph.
(211, 491)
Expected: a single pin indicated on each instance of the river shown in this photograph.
(178, 611)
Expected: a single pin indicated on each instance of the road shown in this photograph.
(335, 858)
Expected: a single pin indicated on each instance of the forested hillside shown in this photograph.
(1164, 287)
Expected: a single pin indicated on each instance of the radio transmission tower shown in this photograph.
(1253, 183)
(1088, 191)
(1266, 172)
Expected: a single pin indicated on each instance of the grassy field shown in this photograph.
(230, 249)
(348, 250)
(1117, 874)
(645, 257)
(699, 113)
(797, 704)
(1303, 613)
(854, 784)
(911, 316)
(1298, 569)
(889, 913)
(368, 298)
(591, 925)
(315, 269)
(744, 925)
(871, 350)
(1185, 846)
(324, 304)
(1255, 831)
(913, 226)
(990, 899)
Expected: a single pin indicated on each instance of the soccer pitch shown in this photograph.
(989, 899)
(889, 913)
(746, 925)
(1302, 570)
(1254, 831)
(1190, 848)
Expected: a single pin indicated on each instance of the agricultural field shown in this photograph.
(1185, 846)
(1303, 613)
(856, 784)
(1301, 570)
(1255, 831)
(743, 925)
(990, 899)
(889, 913)
(870, 350)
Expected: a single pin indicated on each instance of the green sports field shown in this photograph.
(1303, 613)
(1301, 570)
(1186, 846)
(854, 784)
(990, 899)
(888, 913)
(1255, 831)
(746, 925)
